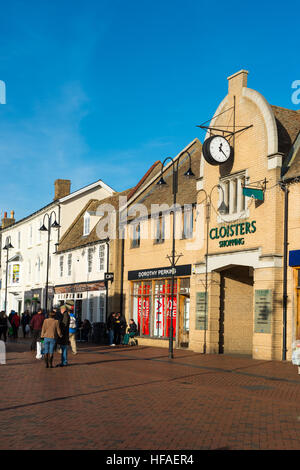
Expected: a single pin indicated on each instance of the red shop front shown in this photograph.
(151, 301)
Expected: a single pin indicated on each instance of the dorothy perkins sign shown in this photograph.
(232, 235)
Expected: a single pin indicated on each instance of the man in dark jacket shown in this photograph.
(25, 320)
(63, 342)
(36, 324)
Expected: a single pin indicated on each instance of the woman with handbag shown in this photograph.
(50, 333)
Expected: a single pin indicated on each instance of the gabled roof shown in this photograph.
(288, 126)
(154, 169)
(187, 188)
(74, 194)
(73, 237)
(86, 189)
(292, 168)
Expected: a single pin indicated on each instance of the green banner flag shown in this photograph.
(253, 192)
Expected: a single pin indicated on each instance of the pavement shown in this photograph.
(135, 398)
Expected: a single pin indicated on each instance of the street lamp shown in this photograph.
(7, 247)
(222, 209)
(161, 182)
(43, 228)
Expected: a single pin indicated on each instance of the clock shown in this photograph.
(217, 150)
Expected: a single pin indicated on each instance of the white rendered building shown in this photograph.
(26, 263)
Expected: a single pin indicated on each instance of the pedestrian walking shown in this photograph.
(110, 324)
(50, 332)
(3, 326)
(14, 320)
(25, 320)
(72, 332)
(63, 341)
(36, 324)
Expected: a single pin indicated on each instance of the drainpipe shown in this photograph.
(122, 275)
(107, 270)
(285, 257)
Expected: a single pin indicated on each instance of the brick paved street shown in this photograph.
(135, 398)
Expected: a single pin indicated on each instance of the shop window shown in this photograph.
(142, 292)
(136, 235)
(152, 307)
(91, 308)
(102, 308)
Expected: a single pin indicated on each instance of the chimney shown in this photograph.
(62, 188)
(237, 82)
(6, 222)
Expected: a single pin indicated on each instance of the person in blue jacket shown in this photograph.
(72, 332)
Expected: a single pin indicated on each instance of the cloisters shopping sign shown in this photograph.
(230, 233)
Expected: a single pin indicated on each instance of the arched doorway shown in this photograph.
(236, 310)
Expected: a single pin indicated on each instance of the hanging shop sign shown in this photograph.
(158, 273)
(262, 310)
(231, 232)
(253, 192)
(109, 277)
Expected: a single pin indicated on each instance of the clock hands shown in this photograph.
(221, 150)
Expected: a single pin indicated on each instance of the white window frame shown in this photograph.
(69, 264)
(61, 266)
(102, 301)
(30, 235)
(237, 204)
(86, 224)
(188, 222)
(90, 259)
(101, 254)
(29, 269)
(40, 223)
(38, 269)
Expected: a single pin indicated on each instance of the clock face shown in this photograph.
(216, 150)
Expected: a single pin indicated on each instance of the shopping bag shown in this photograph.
(27, 329)
(38, 350)
(126, 338)
(296, 357)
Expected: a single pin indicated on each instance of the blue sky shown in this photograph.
(102, 89)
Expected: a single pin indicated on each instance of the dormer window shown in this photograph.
(86, 224)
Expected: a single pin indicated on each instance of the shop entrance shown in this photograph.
(184, 313)
(236, 310)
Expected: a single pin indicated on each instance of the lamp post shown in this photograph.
(43, 228)
(7, 247)
(161, 182)
(221, 210)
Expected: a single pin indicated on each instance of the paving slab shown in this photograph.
(136, 398)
